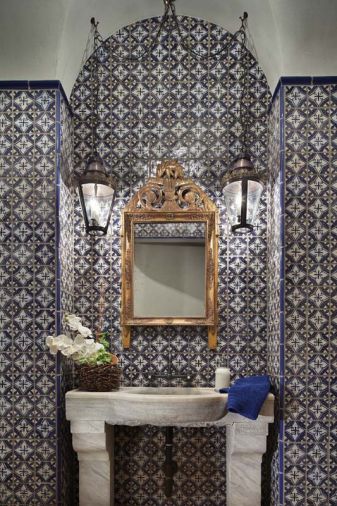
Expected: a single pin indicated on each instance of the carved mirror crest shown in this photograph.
(169, 255)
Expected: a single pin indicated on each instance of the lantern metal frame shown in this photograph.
(96, 176)
(242, 170)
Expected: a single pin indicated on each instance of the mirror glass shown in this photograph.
(169, 268)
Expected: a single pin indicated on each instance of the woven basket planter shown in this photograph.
(99, 378)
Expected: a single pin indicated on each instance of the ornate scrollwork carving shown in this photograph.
(170, 169)
(169, 191)
(150, 197)
(190, 197)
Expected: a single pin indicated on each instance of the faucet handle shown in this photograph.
(189, 378)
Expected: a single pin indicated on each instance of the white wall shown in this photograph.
(45, 39)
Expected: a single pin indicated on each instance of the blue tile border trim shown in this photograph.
(58, 292)
(282, 295)
(36, 85)
(324, 80)
(298, 80)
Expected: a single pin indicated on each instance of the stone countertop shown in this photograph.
(127, 407)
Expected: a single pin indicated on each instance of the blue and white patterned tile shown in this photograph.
(312, 270)
(28, 188)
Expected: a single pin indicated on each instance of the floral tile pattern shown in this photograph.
(274, 255)
(171, 106)
(306, 373)
(68, 469)
(31, 197)
(139, 475)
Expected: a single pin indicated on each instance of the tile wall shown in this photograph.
(34, 133)
(171, 106)
(68, 469)
(305, 113)
(275, 251)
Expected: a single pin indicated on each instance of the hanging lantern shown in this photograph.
(96, 188)
(97, 194)
(242, 185)
(242, 188)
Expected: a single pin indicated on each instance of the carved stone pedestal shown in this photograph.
(94, 444)
(93, 417)
(246, 443)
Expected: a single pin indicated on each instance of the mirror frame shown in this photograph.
(169, 198)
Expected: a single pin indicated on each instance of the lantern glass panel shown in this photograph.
(233, 200)
(97, 200)
(254, 191)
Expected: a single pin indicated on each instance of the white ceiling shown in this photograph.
(45, 39)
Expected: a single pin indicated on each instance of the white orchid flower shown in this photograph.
(75, 348)
(82, 346)
(87, 352)
(91, 348)
(49, 339)
(84, 331)
(76, 356)
(64, 342)
(57, 343)
(89, 341)
(72, 321)
(67, 352)
(52, 345)
(79, 339)
(54, 340)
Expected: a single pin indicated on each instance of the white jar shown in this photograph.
(222, 378)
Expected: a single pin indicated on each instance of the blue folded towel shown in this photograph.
(247, 395)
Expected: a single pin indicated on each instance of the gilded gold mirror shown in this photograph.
(169, 255)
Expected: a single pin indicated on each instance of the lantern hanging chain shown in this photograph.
(244, 103)
(147, 50)
(171, 16)
(88, 48)
(238, 37)
(239, 34)
(95, 86)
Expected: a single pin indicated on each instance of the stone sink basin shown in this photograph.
(149, 405)
(172, 405)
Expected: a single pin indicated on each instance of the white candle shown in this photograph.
(94, 211)
(222, 377)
